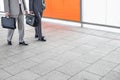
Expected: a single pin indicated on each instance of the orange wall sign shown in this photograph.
(63, 9)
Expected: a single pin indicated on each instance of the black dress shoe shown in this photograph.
(42, 39)
(22, 43)
(36, 36)
(9, 43)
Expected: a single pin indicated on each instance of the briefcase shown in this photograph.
(31, 20)
(8, 22)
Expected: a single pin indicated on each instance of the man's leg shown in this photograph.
(21, 27)
(10, 34)
(38, 30)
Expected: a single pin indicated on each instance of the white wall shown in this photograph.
(102, 12)
(113, 12)
(1, 5)
(94, 11)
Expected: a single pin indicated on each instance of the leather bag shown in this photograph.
(8, 22)
(31, 20)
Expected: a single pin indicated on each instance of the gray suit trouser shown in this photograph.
(38, 29)
(20, 21)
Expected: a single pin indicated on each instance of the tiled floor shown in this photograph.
(70, 53)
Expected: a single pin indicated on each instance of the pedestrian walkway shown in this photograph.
(70, 53)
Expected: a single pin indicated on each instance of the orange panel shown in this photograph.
(63, 9)
(57, 11)
(48, 9)
(72, 10)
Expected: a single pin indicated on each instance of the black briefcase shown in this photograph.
(31, 20)
(8, 22)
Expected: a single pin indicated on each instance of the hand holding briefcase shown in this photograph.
(31, 20)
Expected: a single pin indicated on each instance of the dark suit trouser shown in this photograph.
(38, 29)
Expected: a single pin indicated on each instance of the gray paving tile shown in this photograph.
(26, 75)
(73, 67)
(5, 53)
(90, 58)
(112, 35)
(66, 57)
(117, 69)
(62, 48)
(101, 67)
(5, 63)
(112, 76)
(95, 41)
(85, 76)
(45, 67)
(106, 48)
(19, 67)
(83, 49)
(114, 43)
(56, 76)
(43, 57)
(40, 79)
(113, 57)
(58, 43)
(4, 75)
(118, 49)
(98, 52)
(41, 49)
(21, 56)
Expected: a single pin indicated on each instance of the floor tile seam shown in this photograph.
(110, 53)
(63, 73)
(94, 73)
(63, 64)
(45, 73)
(103, 60)
(38, 64)
(19, 73)
(22, 53)
(11, 63)
(43, 60)
(85, 71)
(70, 62)
(110, 71)
(93, 64)
(19, 63)
(106, 55)
(8, 72)
(85, 67)
(23, 70)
